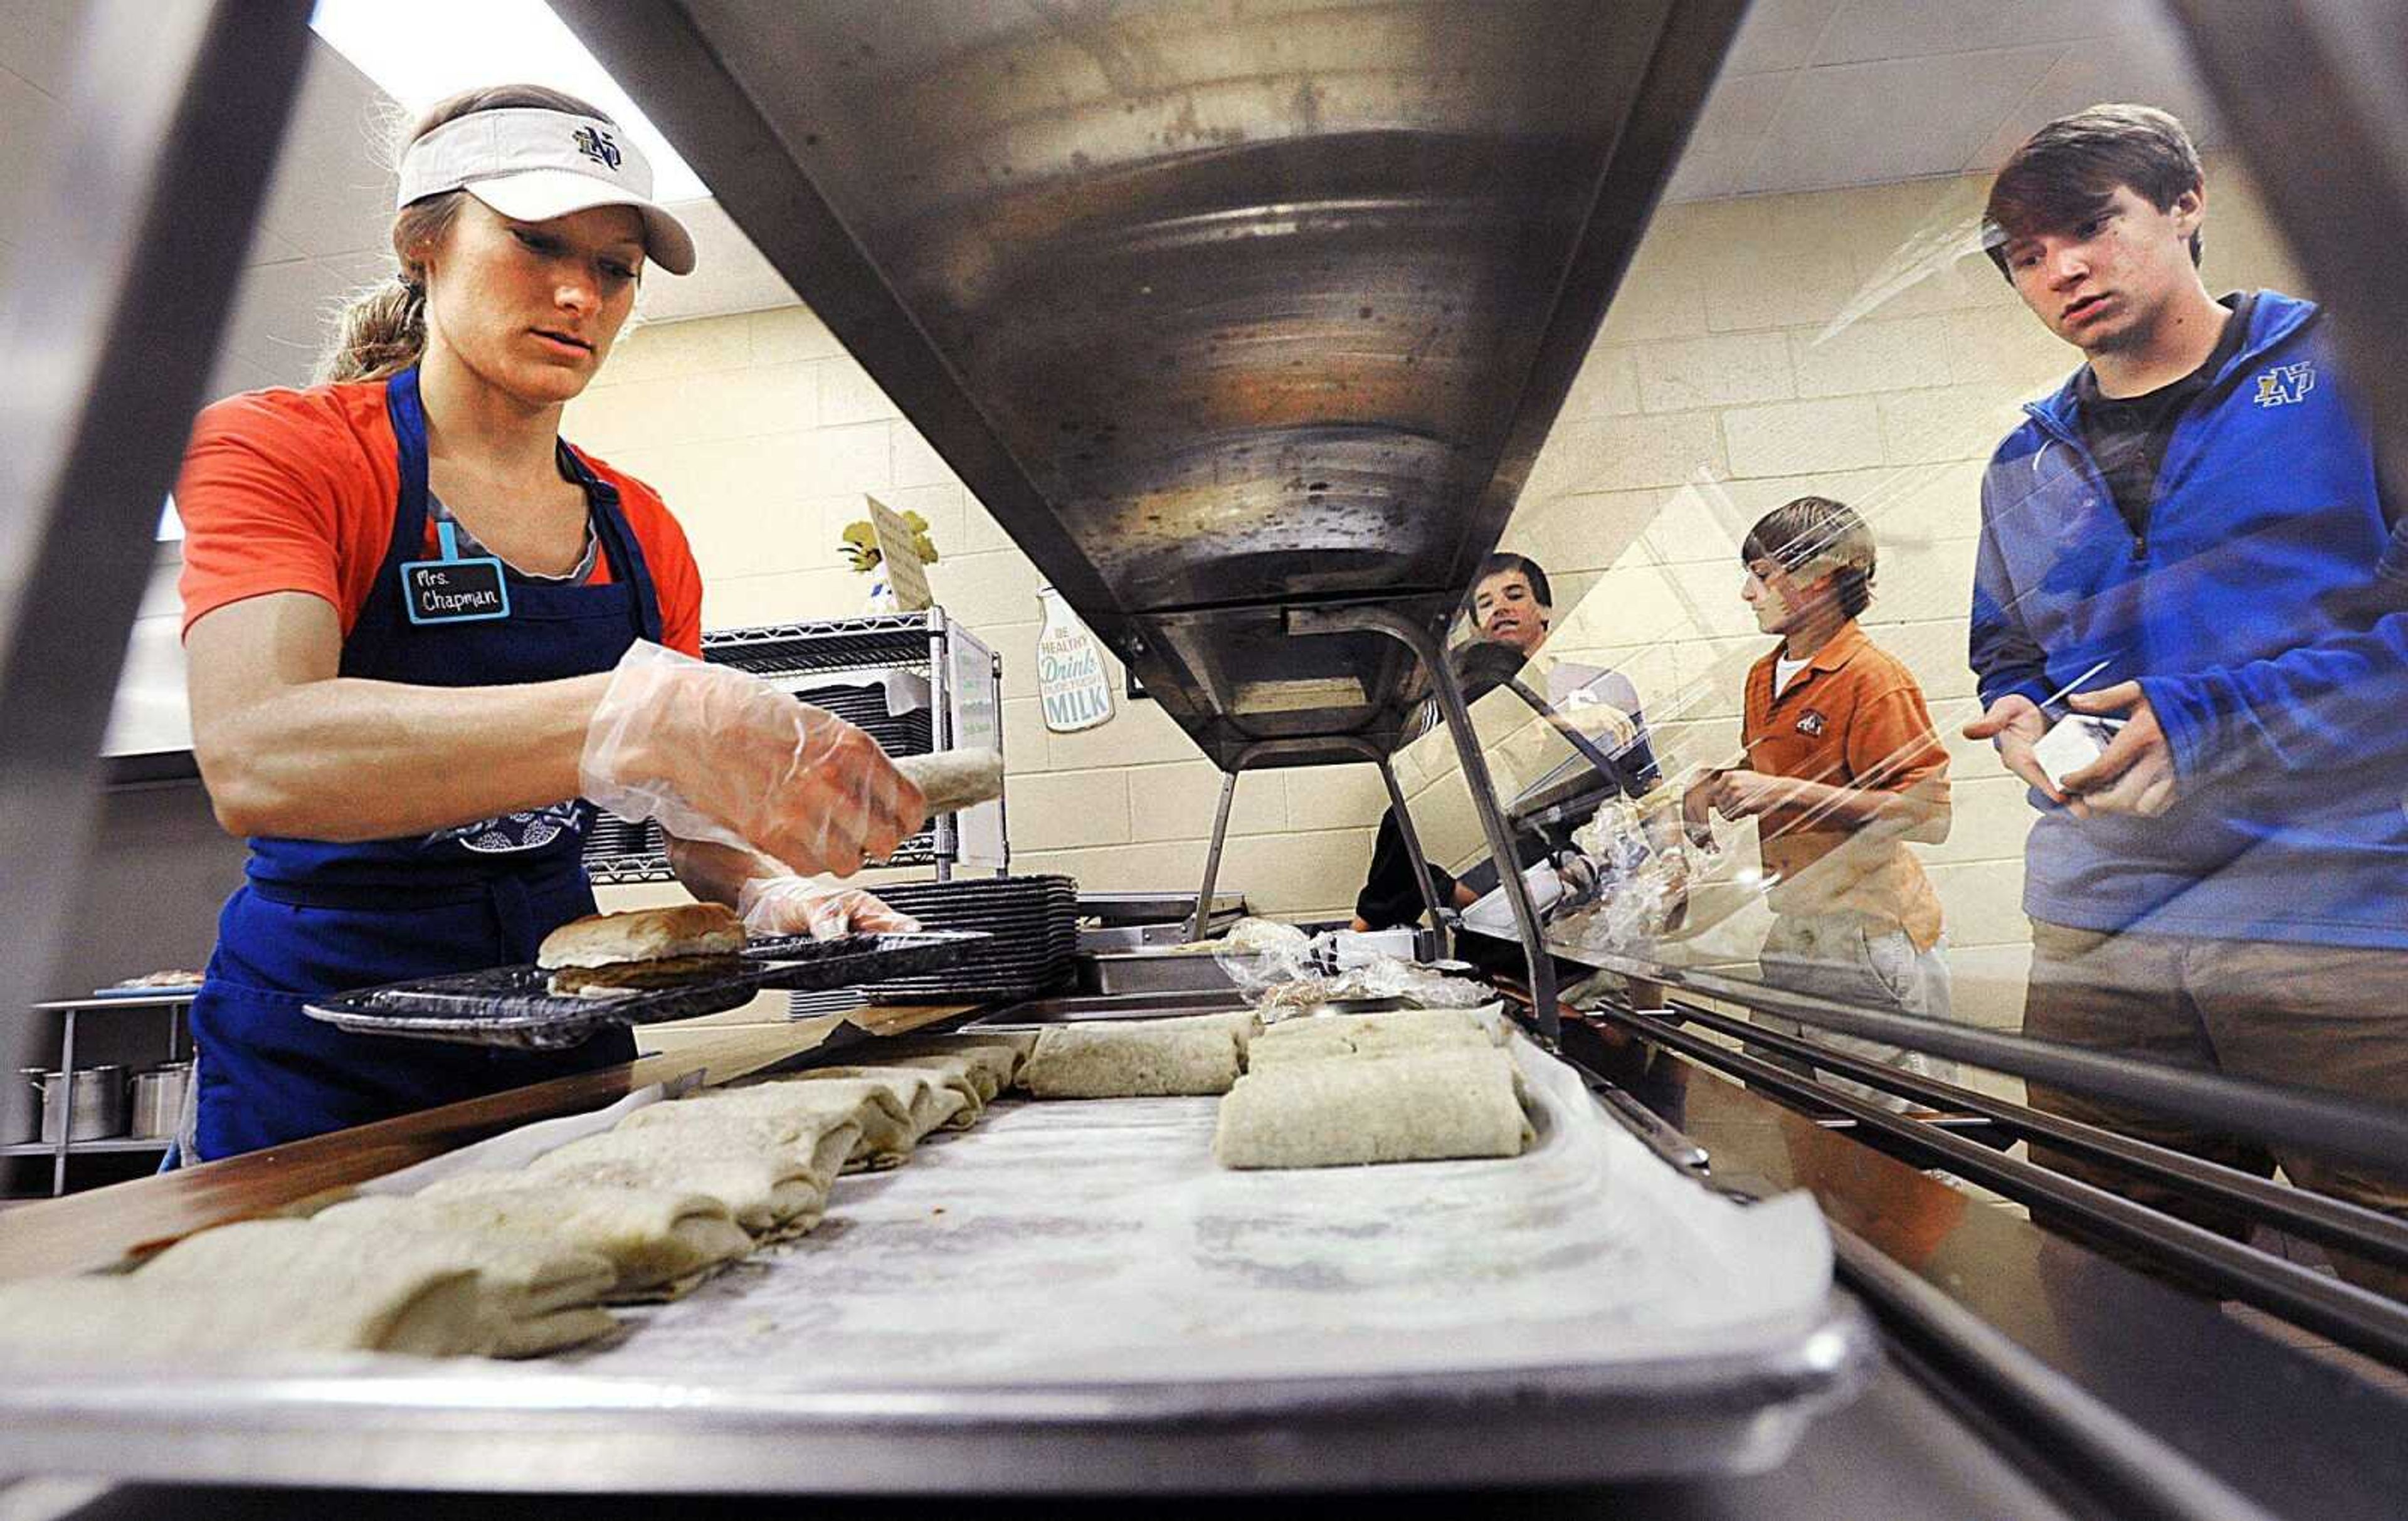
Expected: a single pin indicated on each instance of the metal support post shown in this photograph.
(1475, 776)
(1213, 859)
(1412, 843)
(1002, 801)
(66, 1103)
(1599, 761)
(944, 838)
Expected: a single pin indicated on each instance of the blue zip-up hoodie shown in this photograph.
(2252, 610)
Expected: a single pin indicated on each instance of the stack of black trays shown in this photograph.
(864, 706)
(1035, 924)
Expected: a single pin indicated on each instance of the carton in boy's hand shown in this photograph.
(2075, 741)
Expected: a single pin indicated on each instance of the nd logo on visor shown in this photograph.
(596, 145)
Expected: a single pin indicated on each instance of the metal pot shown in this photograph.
(21, 1112)
(99, 1103)
(159, 1100)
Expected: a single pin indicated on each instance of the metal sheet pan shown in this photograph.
(895, 1350)
(525, 1430)
(1151, 971)
(1163, 907)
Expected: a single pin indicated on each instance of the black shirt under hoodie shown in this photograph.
(2128, 435)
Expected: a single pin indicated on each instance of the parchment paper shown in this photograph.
(1096, 1240)
(517, 1148)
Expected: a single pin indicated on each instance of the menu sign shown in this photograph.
(899, 556)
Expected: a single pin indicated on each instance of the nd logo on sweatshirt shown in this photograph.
(2285, 383)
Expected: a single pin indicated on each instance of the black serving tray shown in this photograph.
(509, 1006)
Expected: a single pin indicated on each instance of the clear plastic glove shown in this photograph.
(775, 906)
(717, 754)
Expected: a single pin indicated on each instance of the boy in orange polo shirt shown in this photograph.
(1842, 769)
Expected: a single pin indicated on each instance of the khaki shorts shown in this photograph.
(2317, 1016)
(1839, 956)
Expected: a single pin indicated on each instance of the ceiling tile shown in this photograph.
(1777, 35)
(1864, 124)
(730, 275)
(1867, 30)
(352, 271)
(234, 373)
(2150, 67)
(1729, 136)
(30, 124)
(332, 193)
(38, 40)
(283, 313)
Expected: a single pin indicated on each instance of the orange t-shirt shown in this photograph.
(1853, 718)
(294, 491)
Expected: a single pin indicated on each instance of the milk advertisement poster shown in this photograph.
(1072, 684)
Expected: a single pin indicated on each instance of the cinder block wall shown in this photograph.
(1758, 348)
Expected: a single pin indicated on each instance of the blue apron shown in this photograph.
(314, 918)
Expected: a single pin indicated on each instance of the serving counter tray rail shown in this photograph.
(512, 1006)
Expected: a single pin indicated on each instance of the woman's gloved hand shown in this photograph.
(773, 906)
(715, 754)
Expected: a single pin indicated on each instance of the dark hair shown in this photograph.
(1810, 531)
(1496, 565)
(2068, 170)
(382, 330)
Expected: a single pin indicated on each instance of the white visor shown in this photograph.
(532, 165)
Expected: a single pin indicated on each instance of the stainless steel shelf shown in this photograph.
(605, 869)
(166, 998)
(879, 641)
(113, 1144)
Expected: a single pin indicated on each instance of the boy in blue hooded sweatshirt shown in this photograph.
(2189, 534)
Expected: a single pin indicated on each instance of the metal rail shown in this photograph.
(2330, 1221)
(2330, 1125)
(1212, 858)
(1410, 838)
(1381, 619)
(2353, 1317)
(1271, 749)
(2097, 1459)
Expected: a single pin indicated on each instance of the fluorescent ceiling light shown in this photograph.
(421, 52)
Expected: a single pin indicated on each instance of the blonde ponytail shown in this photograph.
(381, 332)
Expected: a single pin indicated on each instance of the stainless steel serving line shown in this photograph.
(1246, 320)
(1229, 315)
(2024, 1378)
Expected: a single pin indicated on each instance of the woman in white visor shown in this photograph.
(428, 637)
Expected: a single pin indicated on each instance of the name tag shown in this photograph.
(453, 590)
